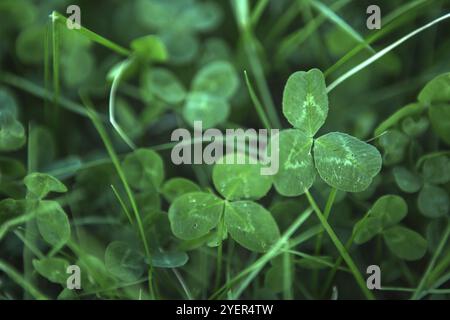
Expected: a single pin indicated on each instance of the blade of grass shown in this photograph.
(317, 260)
(436, 255)
(283, 22)
(288, 276)
(30, 87)
(122, 204)
(253, 270)
(57, 17)
(342, 251)
(442, 280)
(21, 281)
(381, 53)
(48, 110)
(296, 38)
(317, 41)
(115, 160)
(318, 247)
(258, 11)
(28, 215)
(112, 104)
(259, 109)
(339, 261)
(341, 23)
(390, 23)
(183, 284)
(56, 62)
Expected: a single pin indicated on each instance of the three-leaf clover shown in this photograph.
(212, 87)
(433, 201)
(436, 96)
(196, 214)
(52, 221)
(342, 161)
(383, 219)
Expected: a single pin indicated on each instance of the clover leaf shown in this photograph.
(217, 78)
(41, 184)
(433, 202)
(296, 171)
(149, 48)
(144, 169)
(164, 84)
(405, 243)
(124, 262)
(251, 225)
(209, 109)
(437, 170)
(169, 259)
(52, 222)
(406, 180)
(176, 187)
(195, 214)
(240, 181)
(53, 269)
(436, 91)
(305, 101)
(12, 133)
(345, 162)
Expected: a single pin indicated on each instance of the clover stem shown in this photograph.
(340, 247)
(287, 274)
(219, 265)
(326, 213)
(219, 250)
(338, 262)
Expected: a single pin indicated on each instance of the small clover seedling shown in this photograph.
(342, 161)
(51, 220)
(53, 269)
(436, 95)
(433, 200)
(212, 87)
(383, 218)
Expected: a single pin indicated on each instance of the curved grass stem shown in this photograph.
(436, 255)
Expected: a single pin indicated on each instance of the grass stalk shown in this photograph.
(381, 53)
(432, 263)
(342, 251)
(115, 160)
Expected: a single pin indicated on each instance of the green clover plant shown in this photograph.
(196, 214)
(383, 219)
(342, 161)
